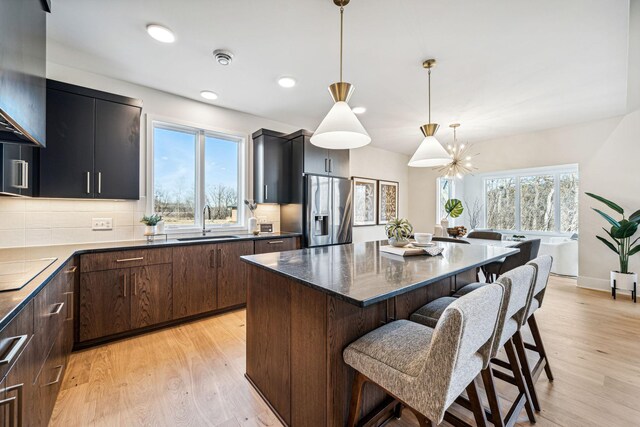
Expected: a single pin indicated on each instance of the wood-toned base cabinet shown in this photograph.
(127, 292)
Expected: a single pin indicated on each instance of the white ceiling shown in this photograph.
(504, 66)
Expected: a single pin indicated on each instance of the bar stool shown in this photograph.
(487, 235)
(518, 284)
(426, 369)
(495, 269)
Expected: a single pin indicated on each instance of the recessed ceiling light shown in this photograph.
(207, 94)
(160, 33)
(287, 82)
(359, 110)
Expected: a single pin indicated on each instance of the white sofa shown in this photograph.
(565, 255)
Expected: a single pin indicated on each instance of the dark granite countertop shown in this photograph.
(11, 302)
(362, 275)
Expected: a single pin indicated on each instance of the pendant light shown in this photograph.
(461, 157)
(430, 153)
(340, 129)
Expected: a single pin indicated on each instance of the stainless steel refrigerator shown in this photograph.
(328, 210)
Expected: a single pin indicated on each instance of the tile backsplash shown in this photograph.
(41, 222)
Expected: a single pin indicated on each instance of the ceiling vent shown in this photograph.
(223, 57)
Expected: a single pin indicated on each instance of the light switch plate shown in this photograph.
(102, 223)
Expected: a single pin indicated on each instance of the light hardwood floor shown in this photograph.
(192, 375)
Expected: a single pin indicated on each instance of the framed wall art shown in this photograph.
(364, 201)
(388, 201)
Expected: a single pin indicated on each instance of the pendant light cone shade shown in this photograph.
(340, 129)
(429, 154)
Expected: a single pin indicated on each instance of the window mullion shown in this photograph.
(518, 222)
(556, 203)
(200, 199)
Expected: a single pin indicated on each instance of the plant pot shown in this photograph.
(398, 243)
(624, 281)
(444, 223)
(252, 224)
(150, 230)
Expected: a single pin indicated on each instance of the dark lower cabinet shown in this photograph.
(152, 295)
(104, 307)
(277, 245)
(232, 273)
(194, 280)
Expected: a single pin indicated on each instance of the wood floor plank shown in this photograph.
(193, 374)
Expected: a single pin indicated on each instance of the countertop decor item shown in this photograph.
(388, 201)
(365, 199)
(151, 224)
(454, 209)
(398, 231)
(619, 241)
(340, 129)
(252, 222)
(430, 152)
(461, 157)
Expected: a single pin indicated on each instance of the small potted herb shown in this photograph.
(151, 223)
(398, 232)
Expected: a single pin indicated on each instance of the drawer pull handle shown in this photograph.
(60, 368)
(275, 242)
(140, 258)
(70, 301)
(20, 341)
(72, 269)
(57, 310)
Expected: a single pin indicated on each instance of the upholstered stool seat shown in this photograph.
(468, 288)
(429, 314)
(400, 346)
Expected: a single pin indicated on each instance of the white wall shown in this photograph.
(374, 163)
(34, 222)
(607, 153)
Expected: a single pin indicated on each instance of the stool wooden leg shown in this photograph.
(517, 375)
(492, 396)
(422, 420)
(356, 399)
(526, 369)
(476, 405)
(537, 339)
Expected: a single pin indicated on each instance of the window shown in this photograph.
(543, 200)
(445, 192)
(193, 168)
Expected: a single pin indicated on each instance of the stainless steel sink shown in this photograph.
(189, 239)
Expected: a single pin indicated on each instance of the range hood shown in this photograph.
(22, 71)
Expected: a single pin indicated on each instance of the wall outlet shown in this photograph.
(102, 223)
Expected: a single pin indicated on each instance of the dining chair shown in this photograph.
(487, 235)
(449, 240)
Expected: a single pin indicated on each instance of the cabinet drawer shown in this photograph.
(276, 245)
(124, 259)
(15, 337)
(50, 310)
(49, 379)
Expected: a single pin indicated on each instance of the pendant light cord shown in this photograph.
(341, 35)
(429, 95)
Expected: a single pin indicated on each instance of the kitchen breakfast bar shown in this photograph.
(305, 306)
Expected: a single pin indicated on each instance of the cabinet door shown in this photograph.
(104, 303)
(339, 163)
(10, 168)
(19, 384)
(27, 158)
(232, 273)
(194, 280)
(316, 159)
(272, 162)
(277, 245)
(151, 295)
(66, 165)
(117, 151)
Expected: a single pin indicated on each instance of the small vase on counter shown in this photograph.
(252, 224)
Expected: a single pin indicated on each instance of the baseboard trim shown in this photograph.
(594, 283)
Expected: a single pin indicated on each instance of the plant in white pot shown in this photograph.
(454, 209)
(151, 223)
(398, 232)
(620, 236)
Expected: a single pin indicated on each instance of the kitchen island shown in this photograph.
(305, 306)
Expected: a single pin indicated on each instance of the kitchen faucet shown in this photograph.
(206, 209)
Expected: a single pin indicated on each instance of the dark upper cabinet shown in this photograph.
(117, 150)
(16, 170)
(66, 165)
(320, 161)
(22, 71)
(271, 167)
(93, 148)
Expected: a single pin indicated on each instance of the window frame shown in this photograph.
(517, 174)
(201, 132)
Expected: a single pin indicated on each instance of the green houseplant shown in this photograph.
(454, 209)
(619, 241)
(398, 232)
(151, 223)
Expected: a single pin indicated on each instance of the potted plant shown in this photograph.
(252, 222)
(398, 232)
(454, 209)
(620, 242)
(151, 223)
